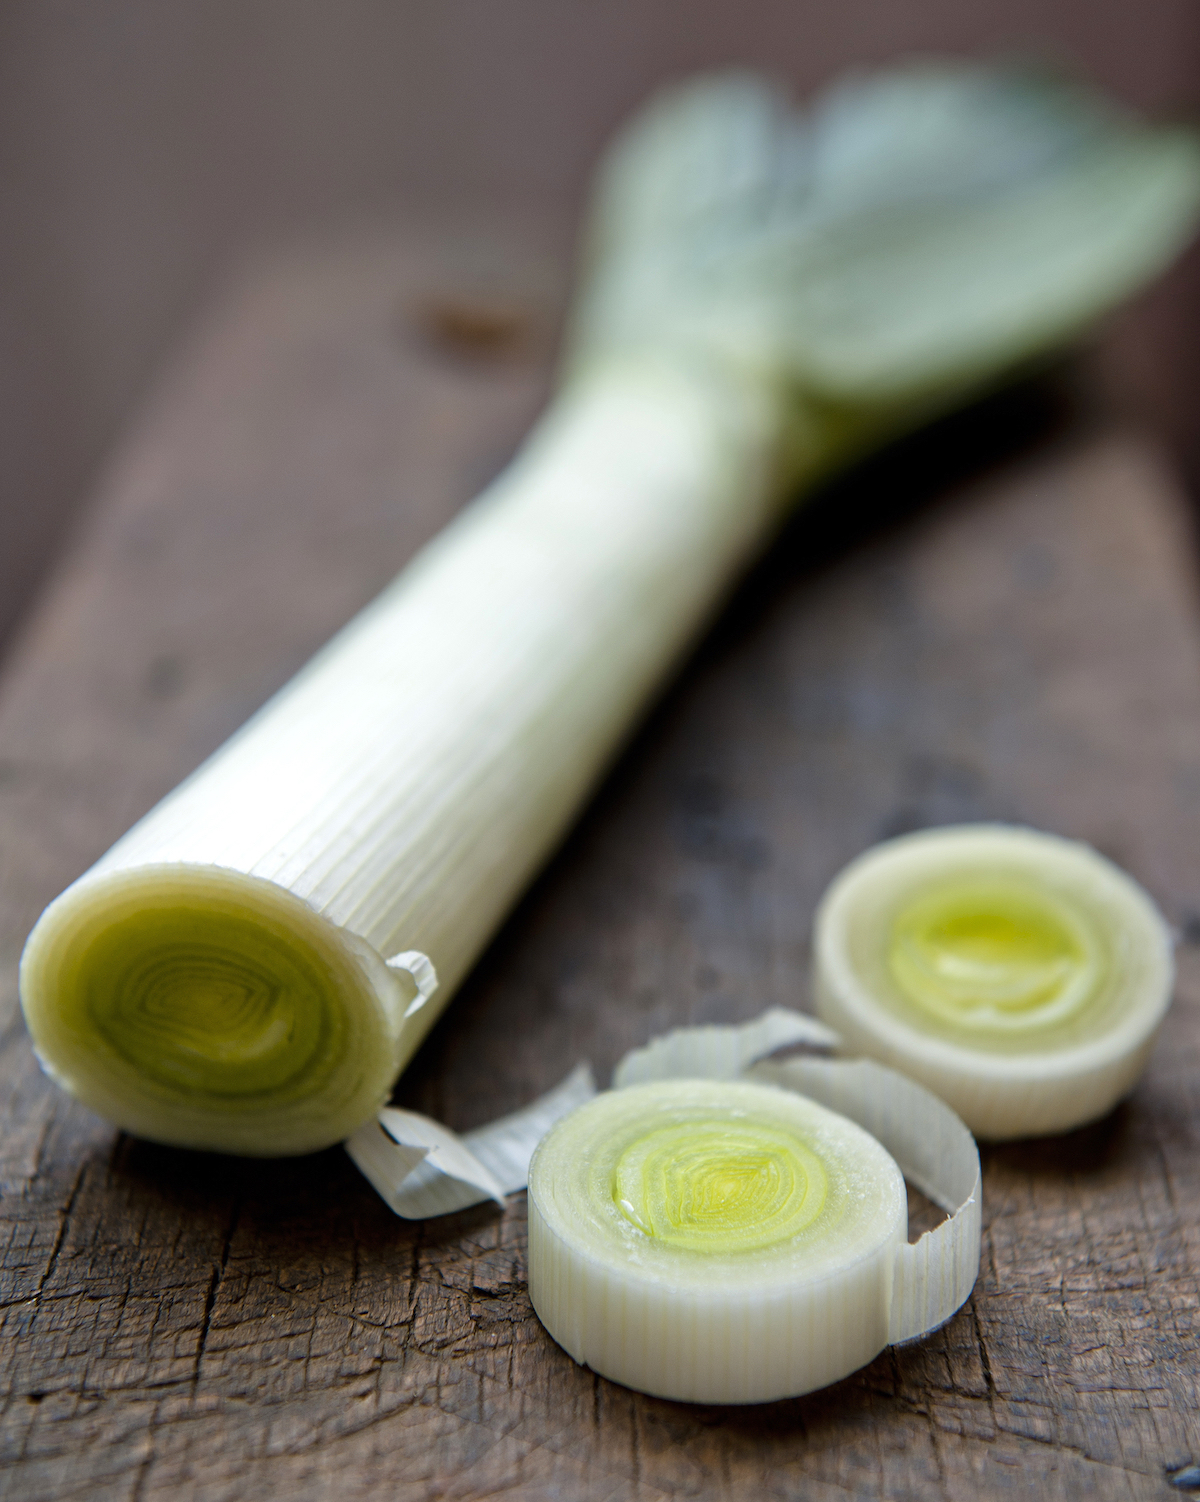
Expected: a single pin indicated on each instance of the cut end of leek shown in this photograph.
(714, 1241)
(1020, 976)
(200, 1007)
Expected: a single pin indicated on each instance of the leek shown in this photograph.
(701, 1237)
(766, 296)
(717, 1239)
(1020, 976)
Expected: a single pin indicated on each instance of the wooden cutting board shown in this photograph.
(977, 626)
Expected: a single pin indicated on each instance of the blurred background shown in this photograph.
(149, 146)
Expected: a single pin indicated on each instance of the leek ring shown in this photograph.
(1020, 976)
(738, 1241)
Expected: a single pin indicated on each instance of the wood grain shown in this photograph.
(1020, 642)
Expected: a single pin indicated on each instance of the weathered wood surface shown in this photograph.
(1025, 646)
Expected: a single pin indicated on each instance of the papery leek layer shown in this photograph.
(714, 1241)
(1020, 976)
(204, 1008)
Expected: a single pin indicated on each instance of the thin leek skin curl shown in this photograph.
(1019, 976)
(767, 296)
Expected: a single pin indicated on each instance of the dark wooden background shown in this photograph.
(998, 620)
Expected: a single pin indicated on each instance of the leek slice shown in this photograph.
(709, 1238)
(767, 296)
(725, 1241)
(1022, 977)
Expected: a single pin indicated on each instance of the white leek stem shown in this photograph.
(409, 782)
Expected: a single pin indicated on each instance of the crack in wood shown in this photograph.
(60, 1238)
(214, 1287)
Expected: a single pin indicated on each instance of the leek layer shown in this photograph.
(719, 1185)
(420, 1168)
(1020, 976)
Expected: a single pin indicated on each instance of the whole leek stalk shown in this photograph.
(766, 297)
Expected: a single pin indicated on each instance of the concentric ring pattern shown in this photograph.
(202, 1007)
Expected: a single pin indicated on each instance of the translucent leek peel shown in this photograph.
(724, 1241)
(767, 296)
(422, 1169)
(1020, 976)
(721, 1051)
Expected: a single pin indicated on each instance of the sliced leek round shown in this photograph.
(724, 1241)
(1020, 976)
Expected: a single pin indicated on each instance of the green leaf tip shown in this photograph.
(912, 235)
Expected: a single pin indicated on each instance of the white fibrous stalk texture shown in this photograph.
(408, 783)
(410, 780)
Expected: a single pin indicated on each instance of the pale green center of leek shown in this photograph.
(995, 954)
(720, 1186)
(215, 1005)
